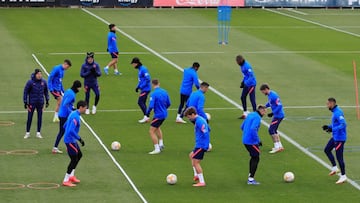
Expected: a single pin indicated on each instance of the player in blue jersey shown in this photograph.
(276, 106)
(71, 137)
(197, 100)
(35, 95)
(66, 107)
(55, 84)
(90, 71)
(202, 141)
(144, 85)
(338, 139)
(160, 102)
(113, 50)
(248, 84)
(190, 78)
(251, 140)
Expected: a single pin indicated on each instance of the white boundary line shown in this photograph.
(133, 53)
(287, 138)
(100, 53)
(102, 144)
(296, 11)
(313, 22)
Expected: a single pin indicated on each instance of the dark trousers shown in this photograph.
(248, 91)
(31, 108)
(96, 89)
(142, 101)
(61, 131)
(339, 150)
(183, 100)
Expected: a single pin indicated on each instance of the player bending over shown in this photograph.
(197, 100)
(202, 141)
(251, 140)
(113, 50)
(338, 139)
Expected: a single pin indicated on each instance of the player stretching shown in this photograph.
(338, 139)
(160, 102)
(144, 85)
(113, 50)
(197, 100)
(278, 113)
(90, 71)
(55, 84)
(202, 141)
(251, 140)
(35, 91)
(66, 107)
(248, 84)
(71, 136)
(190, 78)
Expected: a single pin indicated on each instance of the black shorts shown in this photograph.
(274, 125)
(114, 55)
(156, 123)
(198, 153)
(56, 94)
(253, 150)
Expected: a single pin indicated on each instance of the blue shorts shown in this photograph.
(198, 153)
(95, 87)
(56, 94)
(72, 148)
(253, 150)
(114, 55)
(156, 123)
(274, 125)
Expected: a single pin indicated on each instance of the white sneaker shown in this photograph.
(180, 120)
(144, 120)
(56, 151)
(56, 119)
(333, 171)
(276, 150)
(342, 179)
(27, 135)
(87, 112)
(155, 152)
(93, 111)
(38, 135)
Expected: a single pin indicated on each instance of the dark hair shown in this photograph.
(90, 55)
(36, 71)
(196, 65)
(332, 99)
(264, 86)
(111, 26)
(76, 84)
(155, 82)
(261, 107)
(81, 103)
(189, 111)
(67, 61)
(204, 84)
(239, 58)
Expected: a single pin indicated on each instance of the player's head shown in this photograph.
(81, 106)
(67, 64)
(37, 74)
(265, 89)
(204, 86)
(196, 66)
(90, 57)
(261, 110)
(190, 113)
(331, 103)
(76, 86)
(155, 83)
(135, 62)
(240, 60)
(112, 27)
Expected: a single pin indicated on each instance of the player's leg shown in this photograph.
(59, 136)
(87, 98)
(339, 149)
(96, 90)
(196, 177)
(244, 94)
(142, 104)
(275, 136)
(30, 110)
(254, 153)
(39, 110)
(113, 63)
(197, 156)
(180, 115)
(160, 138)
(72, 177)
(72, 152)
(252, 97)
(58, 97)
(328, 151)
(153, 136)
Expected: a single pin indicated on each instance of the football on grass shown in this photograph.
(171, 179)
(289, 177)
(115, 145)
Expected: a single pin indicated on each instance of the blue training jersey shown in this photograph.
(338, 124)
(250, 128)
(55, 79)
(160, 102)
(144, 79)
(72, 128)
(249, 75)
(202, 133)
(66, 105)
(275, 104)
(111, 39)
(197, 100)
(190, 78)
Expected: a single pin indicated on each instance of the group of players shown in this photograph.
(36, 96)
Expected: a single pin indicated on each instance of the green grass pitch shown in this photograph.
(306, 57)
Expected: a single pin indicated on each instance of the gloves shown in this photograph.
(137, 89)
(25, 105)
(326, 128)
(270, 115)
(47, 104)
(107, 49)
(93, 70)
(260, 144)
(242, 84)
(82, 142)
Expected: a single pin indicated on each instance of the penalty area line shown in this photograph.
(102, 144)
(287, 138)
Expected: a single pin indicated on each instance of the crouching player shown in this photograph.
(202, 140)
(251, 140)
(71, 136)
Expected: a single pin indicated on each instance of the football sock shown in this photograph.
(116, 70)
(56, 114)
(250, 179)
(161, 142)
(106, 67)
(201, 178)
(178, 116)
(276, 145)
(280, 145)
(157, 147)
(195, 173)
(72, 172)
(66, 178)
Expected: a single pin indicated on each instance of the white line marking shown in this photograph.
(134, 53)
(223, 97)
(313, 22)
(100, 53)
(301, 52)
(102, 144)
(192, 52)
(296, 11)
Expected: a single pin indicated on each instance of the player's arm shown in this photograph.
(168, 102)
(342, 123)
(50, 80)
(46, 93)
(26, 93)
(84, 72)
(67, 102)
(196, 81)
(151, 106)
(201, 104)
(98, 70)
